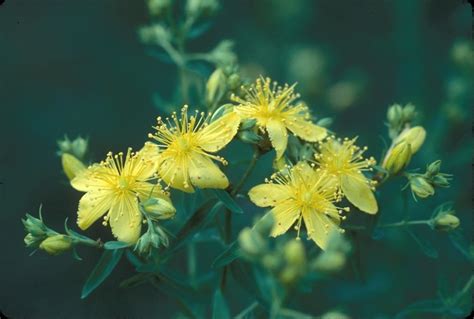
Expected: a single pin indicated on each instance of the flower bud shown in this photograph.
(420, 186)
(249, 137)
(56, 244)
(247, 124)
(434, 168)
(334, 314)
(234, 81)
(215, 86)
(158, 208)
(264, 225)
(394, 115)
(446, 222)
(31, 240)
(397, 157)
(158, 7)
(251, 242)
(34, 226)
(71, 165)
(329, 262)
(294, 252)
(271, 261)
(79, 147)
(325, 122)
(155, 34)
(414, 136)
(289, 275)
(408, 113)
(441, 180)
(197, 8)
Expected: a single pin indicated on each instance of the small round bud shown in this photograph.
(414, 136)
(251, 242)
(158, 208)
(420, 186)
(264, 225)
(434, 168)
(397, 158)
(215, 86)
(56, 244)
(294, 252)
(446, 222)
(329, 262)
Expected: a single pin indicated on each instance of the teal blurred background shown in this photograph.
(79, 68)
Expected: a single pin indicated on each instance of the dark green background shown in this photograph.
(77, 67)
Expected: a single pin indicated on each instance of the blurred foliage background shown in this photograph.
(79, 68)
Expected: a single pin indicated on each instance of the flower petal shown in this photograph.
(285, 215)
(219, 133)
(89, 179)
(175, 173)
(204, 173)
(147, 190)
(92, 206)
(125, 219)
(269, 194)
(278, 136)
(318, 227)
(358, 192)
(305, 129)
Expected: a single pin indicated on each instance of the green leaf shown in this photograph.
(220, 310)
(424, 245)
(228, 201)
(111, 245)
(231, 253)
(457, 239)
(133, 259)
(101, 271)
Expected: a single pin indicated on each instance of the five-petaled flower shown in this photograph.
(115, 187)
(187, 143)
(345, 161)
(275, 111)
(302, 193)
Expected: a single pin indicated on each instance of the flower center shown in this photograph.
(122, 183)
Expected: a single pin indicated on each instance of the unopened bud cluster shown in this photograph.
(423, 185)
(444, 219)
(398, 117)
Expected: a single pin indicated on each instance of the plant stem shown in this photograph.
(246, 311)
(253, 162)
(391, 225)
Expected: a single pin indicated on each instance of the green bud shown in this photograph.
(329, 262)
(264, 225)
(408, 113)
(56, 244)
(234, 81)
(325, 122)
(205, 8)
(414, 136)
(31, 240)
(394, 114)
(446, 222)
(441, 180)
(154, 34)
(249, 137)
(420, 186)
(78, 147)
(334, 314)
(251, 242)
(461, 53)
(158, 7)
(247, 124)
(34, 226)
(215, 86)
(294, 252)
(158, 208)
(338, 243)
(397, 158)
(223, 54)
(271, 261)
(71, 165)
(433, 168)
(289, 275)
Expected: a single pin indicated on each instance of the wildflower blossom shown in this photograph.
(272, 106)
(302, 194)
(187, 143)
(115, 187)
(344, 161)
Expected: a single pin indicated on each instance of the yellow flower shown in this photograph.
(272, 106)
(186, 159)
(115, 186)
(302, 193)
(344, 161)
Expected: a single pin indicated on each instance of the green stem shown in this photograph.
(246, 311)
(391, 225)
(253, 162)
